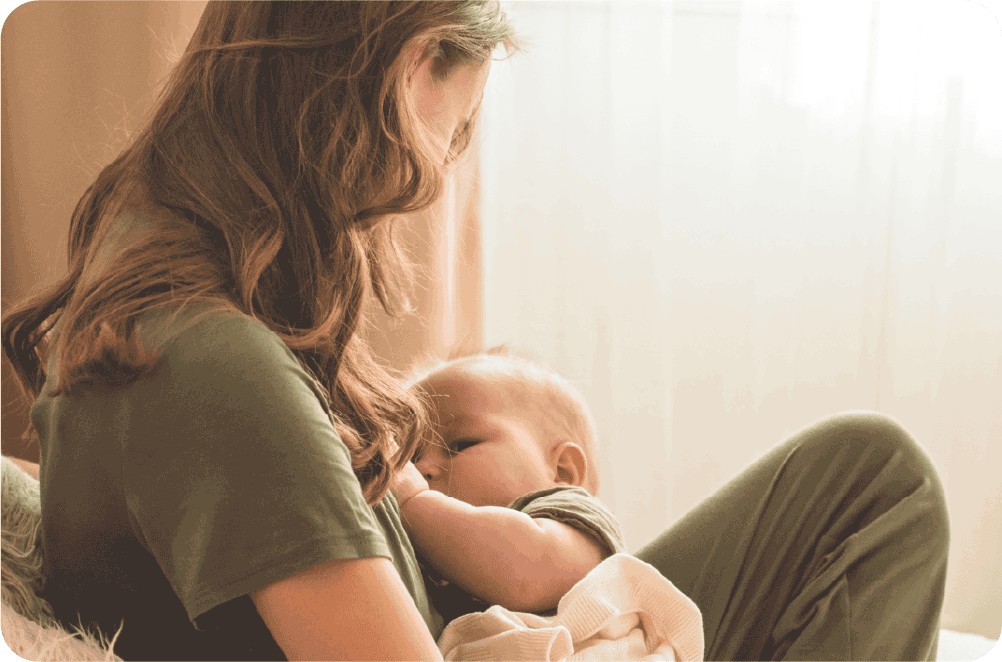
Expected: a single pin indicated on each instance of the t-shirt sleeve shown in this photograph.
(574, 506)
(234, 476)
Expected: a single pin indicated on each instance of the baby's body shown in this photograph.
(499, 503)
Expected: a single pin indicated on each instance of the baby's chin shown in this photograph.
(499, 500)
(476, 495)
(466, 496)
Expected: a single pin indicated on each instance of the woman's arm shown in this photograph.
(348, 609)
(500, 555)
(29, 468)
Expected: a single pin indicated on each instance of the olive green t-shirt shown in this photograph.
(217, 472)
(573, 506)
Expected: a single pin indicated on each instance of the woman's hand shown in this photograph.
(407, 483)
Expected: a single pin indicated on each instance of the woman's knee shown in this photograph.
(869, 442)
(865, 431)
(880, 441)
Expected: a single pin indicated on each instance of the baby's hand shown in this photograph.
(407, 483)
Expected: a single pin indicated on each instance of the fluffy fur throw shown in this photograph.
(29, 627)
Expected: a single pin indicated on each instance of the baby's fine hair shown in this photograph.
(557, 406)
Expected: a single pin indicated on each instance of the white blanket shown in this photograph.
(624, 609)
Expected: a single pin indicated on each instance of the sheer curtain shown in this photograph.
(724, 220)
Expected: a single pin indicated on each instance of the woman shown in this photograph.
(216, 442)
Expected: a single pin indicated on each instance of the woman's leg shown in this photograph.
(831, 547)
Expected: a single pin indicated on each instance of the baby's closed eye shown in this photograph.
(460, 445)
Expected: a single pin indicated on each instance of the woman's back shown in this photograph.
(174, 497)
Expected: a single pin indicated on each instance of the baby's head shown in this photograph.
(503, 427)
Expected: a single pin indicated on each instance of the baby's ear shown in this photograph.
(569, 464)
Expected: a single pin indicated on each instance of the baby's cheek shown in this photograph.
(439, 484)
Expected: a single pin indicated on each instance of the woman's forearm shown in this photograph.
(347, 609)
(500, 555)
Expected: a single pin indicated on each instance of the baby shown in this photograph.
(500, 502)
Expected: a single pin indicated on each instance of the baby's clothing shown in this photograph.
(622, 610)
(571, 505)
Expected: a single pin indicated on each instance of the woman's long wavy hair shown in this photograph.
(282, 145)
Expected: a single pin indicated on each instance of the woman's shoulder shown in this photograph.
(207, 323)
(209, 329)
(209, 349)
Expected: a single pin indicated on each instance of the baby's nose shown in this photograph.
(428, 467)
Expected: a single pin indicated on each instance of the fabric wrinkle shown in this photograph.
(624, 609)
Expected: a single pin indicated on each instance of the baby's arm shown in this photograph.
(500, 555)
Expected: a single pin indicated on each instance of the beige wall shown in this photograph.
(76, 77)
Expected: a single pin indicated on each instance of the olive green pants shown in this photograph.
(832, 546)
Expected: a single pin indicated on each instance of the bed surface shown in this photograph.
(962, 646)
